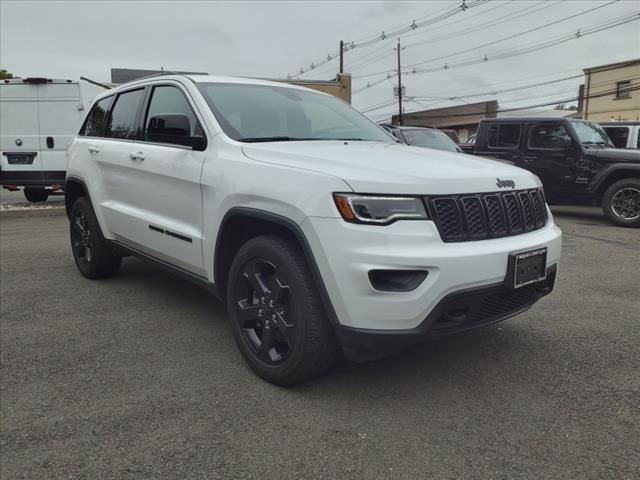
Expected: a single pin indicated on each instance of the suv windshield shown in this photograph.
(590, 134)
(430, 138)
(265, 113)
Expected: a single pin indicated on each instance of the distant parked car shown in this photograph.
(469, 145)
(623, 134)
(423, 137)
(452, 134)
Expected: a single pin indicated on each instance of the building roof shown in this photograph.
(537, 113)
(124, 75)
(470, 113)
(612, 66)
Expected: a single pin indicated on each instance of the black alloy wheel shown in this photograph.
(91, 252)
(81, 238)
(276, 312)
(625, 203)
(264, 311)
(621, 202)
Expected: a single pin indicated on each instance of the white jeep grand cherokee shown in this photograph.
(323, 235)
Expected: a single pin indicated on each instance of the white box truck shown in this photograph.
(38, 119)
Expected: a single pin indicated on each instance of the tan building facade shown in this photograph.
(612, 92)
(340, 87)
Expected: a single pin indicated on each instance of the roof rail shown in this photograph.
(93, 82)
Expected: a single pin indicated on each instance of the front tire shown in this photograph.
(621, 203)
(276, 314)
(91, 253)
(36, 195)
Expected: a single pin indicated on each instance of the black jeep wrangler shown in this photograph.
(574, 159)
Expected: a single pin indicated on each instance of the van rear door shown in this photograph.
(60, 114)
(20, 159)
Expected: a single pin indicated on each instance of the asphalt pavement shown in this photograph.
(138, 377)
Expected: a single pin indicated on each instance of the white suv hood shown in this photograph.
(376, 167)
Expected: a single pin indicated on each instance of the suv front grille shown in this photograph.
(461, 218)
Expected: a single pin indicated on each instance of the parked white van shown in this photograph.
(38, 119)
(623, 134)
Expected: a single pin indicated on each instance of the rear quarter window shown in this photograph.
(96, 123)
(123, 120)
(504, 135)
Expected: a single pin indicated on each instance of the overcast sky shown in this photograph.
(273, 39)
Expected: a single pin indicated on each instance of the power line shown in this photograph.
(537, 105)
(360, 63)
(393, 33)
(518, 51)
(494, 42)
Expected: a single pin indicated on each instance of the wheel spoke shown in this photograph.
(283, 327)
(278, 290)
(87, 253)
(247, 313)
(77, 225)
(255, 279)
(266, 343)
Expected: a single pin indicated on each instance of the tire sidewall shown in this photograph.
(36, 195)
(258, 248)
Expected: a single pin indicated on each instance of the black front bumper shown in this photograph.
(457, 312)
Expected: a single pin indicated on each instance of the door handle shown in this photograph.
(529, 159)
(136, 156)
(93, 149)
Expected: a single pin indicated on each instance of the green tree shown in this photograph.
(4, 74)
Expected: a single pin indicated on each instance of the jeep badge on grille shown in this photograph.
(505, 183)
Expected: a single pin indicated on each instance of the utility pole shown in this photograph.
(341, 56)
(400, 120)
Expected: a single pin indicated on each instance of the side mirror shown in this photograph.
(173, 128)
(567, 142)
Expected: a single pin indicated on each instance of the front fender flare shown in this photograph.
(602, 176)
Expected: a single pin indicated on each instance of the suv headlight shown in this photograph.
(379, 210)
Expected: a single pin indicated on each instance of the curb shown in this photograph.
(28, 211)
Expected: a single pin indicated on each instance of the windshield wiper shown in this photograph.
(275, 139)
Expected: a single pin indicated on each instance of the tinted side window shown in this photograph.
(504, 135)
(618, 135)
(169, 113)
(549, 136)
(122, 121)
(96, 122)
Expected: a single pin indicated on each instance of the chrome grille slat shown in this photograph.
(467, 217)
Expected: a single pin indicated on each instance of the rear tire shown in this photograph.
(276, 314)
(36, 195)
(91, 252)
(621, 203)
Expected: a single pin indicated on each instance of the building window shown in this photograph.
(623, 89)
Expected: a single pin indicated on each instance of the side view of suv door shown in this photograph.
(152, 181)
